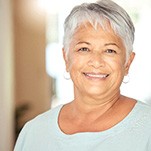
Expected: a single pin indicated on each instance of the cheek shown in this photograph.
(72, 63)
(122, 66)
(76, 62)
(74, 68)
(117, 65)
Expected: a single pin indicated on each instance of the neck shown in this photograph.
(94, 107)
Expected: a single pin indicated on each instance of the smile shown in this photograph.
(96, 75)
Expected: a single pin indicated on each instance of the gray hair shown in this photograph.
(99, 13)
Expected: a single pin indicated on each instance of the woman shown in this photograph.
(98, 44)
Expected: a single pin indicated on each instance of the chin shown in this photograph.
(95, 92)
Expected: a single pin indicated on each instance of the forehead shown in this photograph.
(87, 31)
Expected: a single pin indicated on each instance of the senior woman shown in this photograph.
(98, 44)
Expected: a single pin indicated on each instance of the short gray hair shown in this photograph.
(99, 13)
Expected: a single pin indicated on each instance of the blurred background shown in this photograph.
(32, 69)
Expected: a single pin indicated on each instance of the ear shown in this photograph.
(65, 59)
(128, 64)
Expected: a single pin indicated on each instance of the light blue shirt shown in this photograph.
(131, 134)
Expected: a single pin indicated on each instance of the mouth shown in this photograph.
(96, 75)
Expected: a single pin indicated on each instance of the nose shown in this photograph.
(96, 60)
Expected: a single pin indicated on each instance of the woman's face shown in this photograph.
(96, 61)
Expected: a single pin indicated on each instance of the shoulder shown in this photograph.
(145, 122)
(43, 121)
(143, 115)
(34, 130)
(144, 107)
(45, 117)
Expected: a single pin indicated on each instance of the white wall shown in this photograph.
(6, 77)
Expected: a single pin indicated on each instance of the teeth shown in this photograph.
(97, 75)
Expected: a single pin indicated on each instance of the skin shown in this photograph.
(97, 64)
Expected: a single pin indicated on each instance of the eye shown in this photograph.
(83, 49)
(110, 51)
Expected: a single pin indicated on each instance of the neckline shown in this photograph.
(125, 123)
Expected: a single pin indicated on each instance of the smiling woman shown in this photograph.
(96, 58)
(98, 52)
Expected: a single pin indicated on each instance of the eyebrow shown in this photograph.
(107, 44)
(114, 44)
(81, 42)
